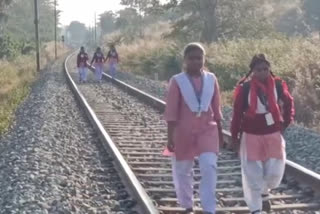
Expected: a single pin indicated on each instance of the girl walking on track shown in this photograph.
(98, 59)
(193, 114)
(263, 109)
(113, 60)
(82, 61)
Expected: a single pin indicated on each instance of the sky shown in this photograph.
(83, 11)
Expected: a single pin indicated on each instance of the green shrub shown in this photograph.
(9, 48)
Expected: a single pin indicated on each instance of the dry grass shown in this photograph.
(15, 79)
(48, 51)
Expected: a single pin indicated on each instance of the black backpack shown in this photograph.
(246, 89)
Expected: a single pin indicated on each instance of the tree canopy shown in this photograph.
(77, 31)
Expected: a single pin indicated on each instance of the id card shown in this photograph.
(269, 119)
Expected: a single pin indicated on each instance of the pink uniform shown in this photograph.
(113, 57)
(192, 135)
(195, 134)
(82, 60)
(98, 60)
(264, 147)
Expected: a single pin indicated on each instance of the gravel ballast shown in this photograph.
(51, 161)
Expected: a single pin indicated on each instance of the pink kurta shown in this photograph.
(264, 147)
(192, 135)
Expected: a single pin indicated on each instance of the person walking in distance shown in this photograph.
(98, 59)
(82, 64)
(113, 60)
(263, 109)
(193, 115)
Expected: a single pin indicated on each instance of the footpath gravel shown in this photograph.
(52, 162)
(303, 145)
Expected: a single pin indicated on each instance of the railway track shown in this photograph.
(130, 128)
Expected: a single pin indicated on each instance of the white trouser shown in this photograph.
(98, 72)
(113, 69)
(258, 177)
(83, 73)
(183, 177)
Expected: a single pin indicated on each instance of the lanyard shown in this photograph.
(196, 92)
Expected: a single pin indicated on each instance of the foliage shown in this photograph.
(142, 6)
(21, 20)
(9, 48)
(107, 22)
(4, 3)
(209, 20)
(312, 8)
(292, 23)
(129, 21)
(3, 6)
(213, 20)
(78, 31)
(142, 13)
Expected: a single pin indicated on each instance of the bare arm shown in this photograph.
(170, 144)
(171, 111)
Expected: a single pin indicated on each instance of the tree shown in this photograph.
(312, 13)
(243, 19)
(4, 3)
(287, 17)
(208, 12)
(209, 20)
(292, 22)
(130, 22)
(77, 31)
(142, 6)
(3, 15)
(21, 23)
(107, 22)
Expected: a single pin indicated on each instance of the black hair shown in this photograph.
(193, 46)
(256, 60)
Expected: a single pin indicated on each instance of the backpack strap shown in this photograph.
(246, 89)
(279, 88)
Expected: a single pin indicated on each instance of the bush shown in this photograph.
(9, 48)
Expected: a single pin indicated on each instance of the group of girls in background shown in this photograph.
(97, 61)
(263, 109)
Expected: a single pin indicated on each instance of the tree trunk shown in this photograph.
(208, 15)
